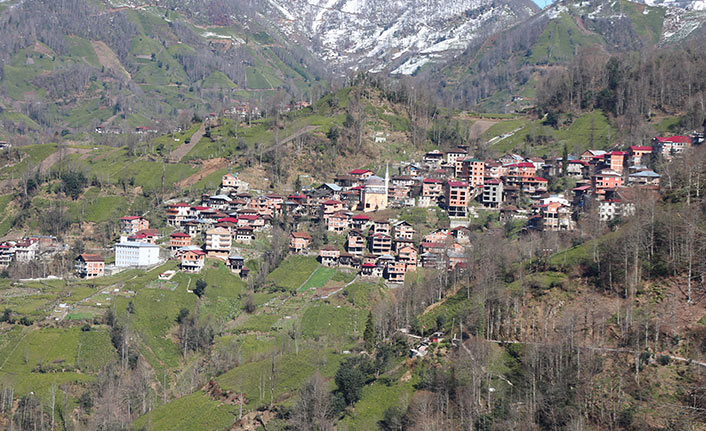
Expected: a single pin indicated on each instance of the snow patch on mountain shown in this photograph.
(679, 24)
(680, 4)
(401, 35)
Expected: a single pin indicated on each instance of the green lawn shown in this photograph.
(60, 351)
(376, 399)
(335, 322)
(291, 372)
(318, 279)
(293, 272)
(192, 412)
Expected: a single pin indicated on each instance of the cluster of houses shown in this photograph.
(378, 246)
(28, 249)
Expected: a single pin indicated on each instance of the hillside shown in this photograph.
(344, 215)
(125, 67)
(501, 73)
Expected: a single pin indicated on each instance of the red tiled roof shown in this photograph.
(359, 171)
(228, 219)
(432, 181)
(675, 139)
(457, 184)
(368, 265)
(201, 208)
(179, 235)
(582, 188)
(361, 217)
(131, 218)
(617, 153)
(640, 148)
(331, 202)
(541, 180)
(303, 235)
(91, 257)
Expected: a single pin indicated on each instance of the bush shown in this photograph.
(86, 327)
(663, 359)
(200, 288)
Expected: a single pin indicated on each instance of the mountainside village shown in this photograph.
(362, 207)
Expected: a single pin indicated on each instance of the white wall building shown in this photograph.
(136, 254)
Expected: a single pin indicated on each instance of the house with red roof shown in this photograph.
(522, 169)
(193, 261)
(671, 146)
(361, 221)
(371, 270)
(178, 240)
(361, 174)
(578, 168)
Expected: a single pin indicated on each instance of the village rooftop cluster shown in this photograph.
(355, 205)
(361, 207)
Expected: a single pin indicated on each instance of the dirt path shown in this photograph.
(290, 138)
(108, 59)
(480, 127)
(50, 161)
(183, 150)
(207, 168)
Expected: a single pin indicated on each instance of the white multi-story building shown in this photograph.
(136, 254)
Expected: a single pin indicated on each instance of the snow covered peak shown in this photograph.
(395, 35)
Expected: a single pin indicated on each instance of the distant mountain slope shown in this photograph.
(76, 64)
(503, 68)
(399, 36)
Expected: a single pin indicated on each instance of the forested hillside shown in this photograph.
(71, 66)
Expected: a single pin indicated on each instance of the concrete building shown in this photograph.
(492, 193)
(457, 195)
(218, 242)
(90, 266)
(136, 254)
